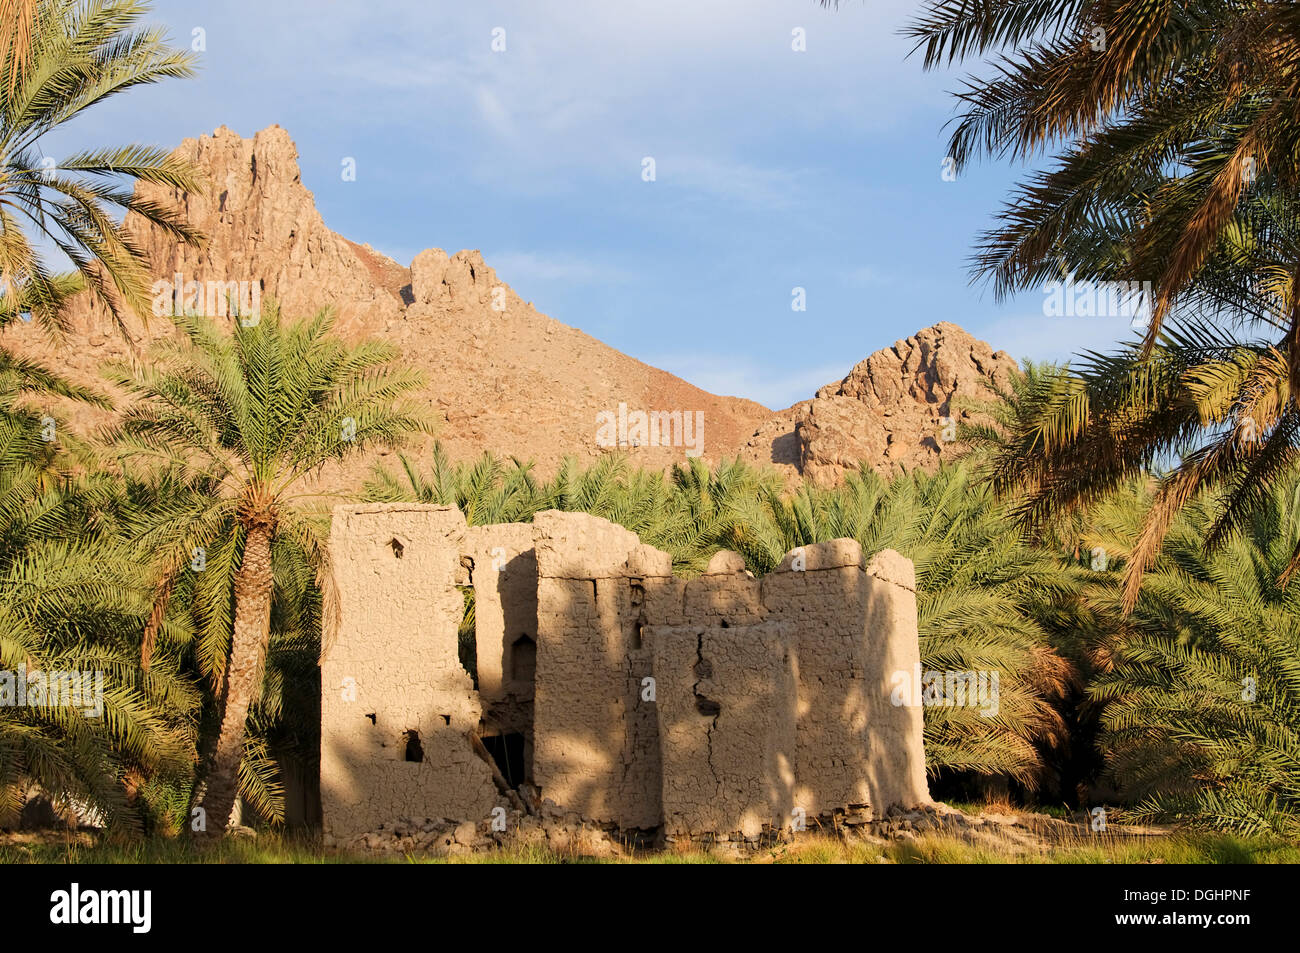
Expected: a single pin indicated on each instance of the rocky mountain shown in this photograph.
(500, 375)
(896, 409)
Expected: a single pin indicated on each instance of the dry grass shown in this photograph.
(811, 849)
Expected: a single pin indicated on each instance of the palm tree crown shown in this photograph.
(69, 56)
(234, 424)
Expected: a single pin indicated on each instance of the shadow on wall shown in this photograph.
(719, 705)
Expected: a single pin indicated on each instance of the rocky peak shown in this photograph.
(461, 280)
(930, 367)
(889, 410)
(262, 226)
(894, 407)
(500, 376)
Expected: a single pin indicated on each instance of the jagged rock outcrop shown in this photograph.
(262, 226)
(500, 376)
(894, 410)
(461, 280)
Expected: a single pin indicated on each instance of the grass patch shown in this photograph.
(927, 849)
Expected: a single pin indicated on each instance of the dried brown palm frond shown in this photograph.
(17, 19)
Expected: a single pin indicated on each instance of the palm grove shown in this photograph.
(181, 551)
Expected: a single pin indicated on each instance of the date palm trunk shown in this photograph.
(248, 647)
(1292, 346)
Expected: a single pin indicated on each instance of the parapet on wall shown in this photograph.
(722, 704)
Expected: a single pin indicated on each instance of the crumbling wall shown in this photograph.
(498, 560)
(819, 591)
(595, 746)
(855, 628)
(725, 700)
(852, 629)
(389, 668)
(794, 672)
(895, 736)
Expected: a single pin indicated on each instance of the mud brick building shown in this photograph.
(722, 705)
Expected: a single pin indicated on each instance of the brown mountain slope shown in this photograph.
(500, 375)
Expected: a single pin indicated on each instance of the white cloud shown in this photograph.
(494, 114)
(740, 182)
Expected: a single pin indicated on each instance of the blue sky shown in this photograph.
(775, 169)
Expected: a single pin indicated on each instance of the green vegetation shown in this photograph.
(1116, 546)
(73, 600)
(1171, 134)
(928, 849)
(1202, 713)
(228, 427)
(60, 59)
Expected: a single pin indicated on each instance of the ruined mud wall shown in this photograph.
(819, 591)
(851, 628)
(726, 702)
(389, 668)
(595, 741)
(855, 626)
(721, 704)
(895, 736)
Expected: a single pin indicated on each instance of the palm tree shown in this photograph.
(237, 423)
(62, 57)
(1173, 129)
(983, 590)
(714, 508)
(191, 621)
(1208, 409)
(1201, 683)
(72, 601)
(490, 491)
(486, 491)
(17, 17)
(1151, 108)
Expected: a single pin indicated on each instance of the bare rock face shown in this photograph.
(892, 409)
(264, 239)
(895, 410)
(463, 280)
(500, 376)
(776, 443)
(262, 226)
